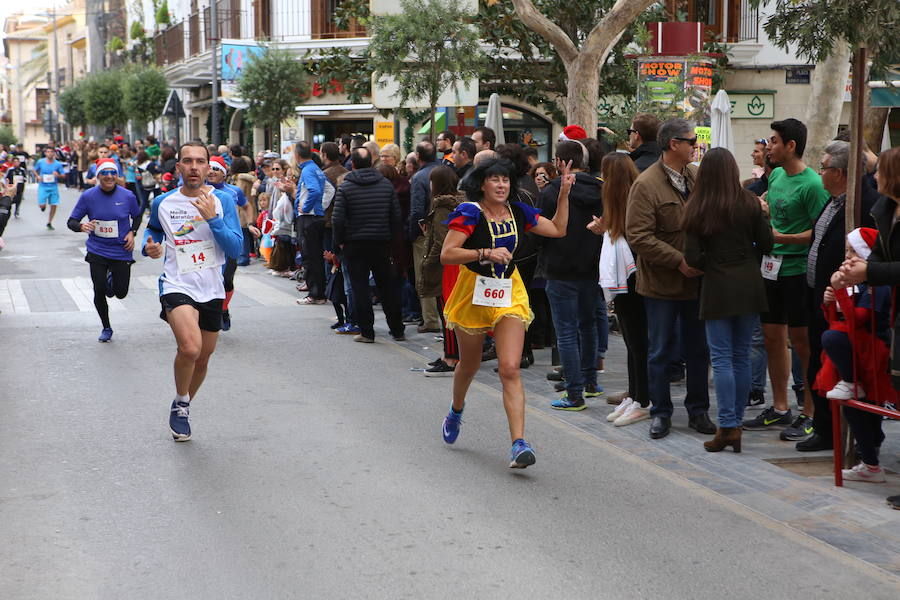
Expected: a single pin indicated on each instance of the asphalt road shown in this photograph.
(317, 470)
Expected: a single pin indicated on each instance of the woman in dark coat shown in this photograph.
(726, 231)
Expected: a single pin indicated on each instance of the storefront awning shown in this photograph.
(885, 97)
(441, 119)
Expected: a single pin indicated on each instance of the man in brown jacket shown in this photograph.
(667, 283)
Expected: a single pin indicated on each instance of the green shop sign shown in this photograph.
(752, 105)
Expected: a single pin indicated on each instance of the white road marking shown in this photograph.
(84, 302)
(262, 293)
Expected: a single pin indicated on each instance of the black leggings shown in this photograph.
(121, 277)
(228, 274)
(5, 210)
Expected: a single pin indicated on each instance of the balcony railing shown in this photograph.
(730, 21)
(749, 25)
(268, 20)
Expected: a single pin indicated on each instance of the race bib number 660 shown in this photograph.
(196, 256)
(492, 291)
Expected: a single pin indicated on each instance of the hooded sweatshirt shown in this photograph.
(576, 256)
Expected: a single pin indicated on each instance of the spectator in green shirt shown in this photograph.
(794, 200)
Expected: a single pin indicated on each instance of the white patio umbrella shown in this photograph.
(722, 135)
(494, 118)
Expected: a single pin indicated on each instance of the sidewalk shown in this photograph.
(800, 493)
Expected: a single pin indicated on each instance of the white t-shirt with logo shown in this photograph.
(193, 261)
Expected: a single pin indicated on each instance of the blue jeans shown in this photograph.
(759, 359)
(602, 325)
(573, 305)
(729, 350)
(348, 291)
(662, 348)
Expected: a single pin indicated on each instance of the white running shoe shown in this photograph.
(861, 472)
(634, 413)
(843, 390)
(619, 410)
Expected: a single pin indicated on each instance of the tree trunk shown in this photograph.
(874, 127)
(431, 129)
(582, 94)
(826, 99)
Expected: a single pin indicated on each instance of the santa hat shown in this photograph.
(107, 164)
(167, 177)
(217, 162)
(861, 240)
(571, 133)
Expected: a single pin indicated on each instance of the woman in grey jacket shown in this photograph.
(726, 232)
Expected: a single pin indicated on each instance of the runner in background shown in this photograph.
(49, 171)
(16, 175)
(114, 218)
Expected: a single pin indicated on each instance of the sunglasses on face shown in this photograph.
(108, 173)
(630, 131)
(692, 141)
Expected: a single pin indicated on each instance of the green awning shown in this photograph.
(885, 97)
(441, 124)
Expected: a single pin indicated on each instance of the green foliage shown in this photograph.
(103, 98)
(813, 26)
(337, 69)
(36, 67)
(136, 32)
(535, 73)
(144, 93)
(7, 137)
(348, 10)
(115, 44)
(71, 105)
(162, 13)
(274, 82)
(428, 48)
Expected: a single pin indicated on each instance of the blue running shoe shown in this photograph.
(450, 430)
(348, 329)
(105, 335)
(226, 320)
(109, 285)
(178, 421)
(566, 403)
(521, 456)
(592, 390)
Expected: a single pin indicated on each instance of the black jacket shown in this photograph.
(365, 209)
(732, 284)
(884, 269)
(645, 155)
(576, 256)
(830, 252)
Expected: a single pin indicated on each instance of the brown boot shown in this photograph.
(725, 436)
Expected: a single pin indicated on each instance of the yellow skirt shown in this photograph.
(462, 315)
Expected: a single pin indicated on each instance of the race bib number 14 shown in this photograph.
(194, 257)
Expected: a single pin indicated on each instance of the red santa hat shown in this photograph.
(107, 164)
(571, 133)
(217, 162)
(862, 239)
(167, 177)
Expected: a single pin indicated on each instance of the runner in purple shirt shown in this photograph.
(114, 217)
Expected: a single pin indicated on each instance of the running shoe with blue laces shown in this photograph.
(105, 335)
(566, 403)
(521, 456)
(178, 421)
(450, 430)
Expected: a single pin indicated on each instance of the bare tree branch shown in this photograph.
(605, 33)
(550, 31)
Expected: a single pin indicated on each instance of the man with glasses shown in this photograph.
(794, 201)
(669, 286)
(642, 140)
(114, 217)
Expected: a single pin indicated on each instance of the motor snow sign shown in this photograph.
(677, 82)
(752, 105)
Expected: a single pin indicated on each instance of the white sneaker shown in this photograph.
(619, 410)
(861, 472)
(843, 390)
(634, 413)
